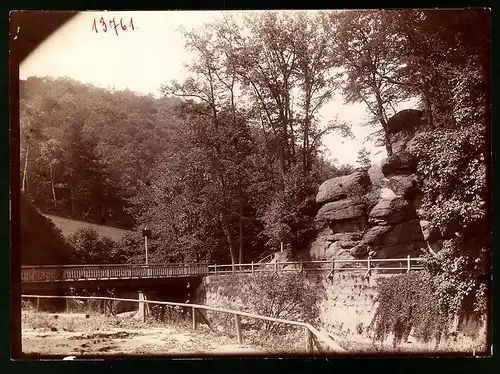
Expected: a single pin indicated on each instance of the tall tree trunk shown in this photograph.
(240, 202)
(305, 141)
(25, 172)
(383, 122)
(229, 235)
(427, 103)
(282, 161)
(53, 186)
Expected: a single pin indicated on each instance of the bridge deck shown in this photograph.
(76, 273)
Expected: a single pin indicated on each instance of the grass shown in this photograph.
(70, 226)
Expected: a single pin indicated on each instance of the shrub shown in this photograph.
(92, 248)
(289, 296)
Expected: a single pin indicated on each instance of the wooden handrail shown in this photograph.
(322, 336)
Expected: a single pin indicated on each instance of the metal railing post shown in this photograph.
(308, 338)
(252, 268)
(408, 264)
(193, 314)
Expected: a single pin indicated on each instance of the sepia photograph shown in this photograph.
(207, 184)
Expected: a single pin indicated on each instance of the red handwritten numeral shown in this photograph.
(124, 27)
(104, 26)
(94, 26)
(112, 23)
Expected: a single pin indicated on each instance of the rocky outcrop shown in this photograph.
(375, 210)
(397, 164)
(341, 210)
(343, 187)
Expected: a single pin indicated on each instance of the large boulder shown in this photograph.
(339, 188)
(402, 128)
(404, 185)
(359, 251)
(406, 119)
(401, 163)
(337, 252)
(394, 209)
(375, 234)
(341, 210)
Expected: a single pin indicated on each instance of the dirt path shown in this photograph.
(45, 334)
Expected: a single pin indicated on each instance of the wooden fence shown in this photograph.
(52, 273)
(312, 336)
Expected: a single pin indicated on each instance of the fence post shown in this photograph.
(308, 342)
(333, 266)
(142, 306)
(276, 266)
(369, 272)
(237, 323)
(232, 267)
(215, 269)
(252, 268)
(194, 317)
(301, 266)
(37, 304)
(408, 264)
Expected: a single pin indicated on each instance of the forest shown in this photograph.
(225, 165)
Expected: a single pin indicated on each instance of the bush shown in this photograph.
(91, 248)
(289, 296)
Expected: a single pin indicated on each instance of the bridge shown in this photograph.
(176, 282)
(48, 276)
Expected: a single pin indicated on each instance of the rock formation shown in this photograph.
(376, 209)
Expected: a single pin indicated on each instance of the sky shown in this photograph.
(151, 54)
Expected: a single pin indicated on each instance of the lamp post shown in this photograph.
(147, 234)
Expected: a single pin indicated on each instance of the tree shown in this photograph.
(367, 55)
(364, 157)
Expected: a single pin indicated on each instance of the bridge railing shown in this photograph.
(51, 273)
(313, 337)
(103, 272)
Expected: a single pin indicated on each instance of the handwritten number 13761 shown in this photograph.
(112, 25)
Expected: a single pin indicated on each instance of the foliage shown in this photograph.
(407, 304)
(282, 295)
(364, 157)
(91, 248)
(41, 242)
(452, 163)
